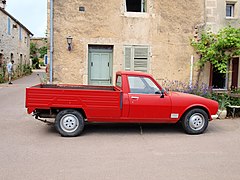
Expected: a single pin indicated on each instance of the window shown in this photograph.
(136, 58)
(140, 85)
(229, 10)
(119, 81)
(136, 5)
(218, 80)
(9, 26)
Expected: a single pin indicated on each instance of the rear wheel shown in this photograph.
(69, 123)
(195, 121)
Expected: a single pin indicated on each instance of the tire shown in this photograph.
(69, 123)
(195, 121)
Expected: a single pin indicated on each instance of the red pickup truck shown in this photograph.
(136, 98)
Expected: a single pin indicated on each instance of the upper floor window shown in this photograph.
(9, 26)
(230, 9)
(136, 5)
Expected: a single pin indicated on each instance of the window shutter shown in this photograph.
(140, 52)
(128, 57)
(141, 59)
(9, 26)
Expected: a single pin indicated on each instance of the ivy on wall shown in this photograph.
(218, 48)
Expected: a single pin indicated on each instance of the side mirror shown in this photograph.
(157, 92)
(162, 93)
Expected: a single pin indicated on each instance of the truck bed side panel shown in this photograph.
(96, 104)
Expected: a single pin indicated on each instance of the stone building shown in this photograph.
(39, 41)
(219, 14)
(14, 40)
(106, 36)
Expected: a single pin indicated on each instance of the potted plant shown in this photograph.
(223, 101)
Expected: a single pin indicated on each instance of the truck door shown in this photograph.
(146, 103)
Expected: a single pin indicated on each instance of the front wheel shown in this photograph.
(195, 121)
(69, 123)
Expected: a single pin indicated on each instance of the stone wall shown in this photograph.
(12, 43)
(215, 20)
(166, 28)
(216, 14)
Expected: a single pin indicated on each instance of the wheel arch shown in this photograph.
(195, 107)
(80, 110)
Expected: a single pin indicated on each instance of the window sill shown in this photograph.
(219, 90)
(136, 14)
(231, 18)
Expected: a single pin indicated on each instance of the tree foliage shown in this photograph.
(42, 51)
(37, 53)
(218, 48)
(33, 50)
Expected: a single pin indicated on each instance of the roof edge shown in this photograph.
(24, 27)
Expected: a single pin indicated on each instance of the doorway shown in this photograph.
(100, 65)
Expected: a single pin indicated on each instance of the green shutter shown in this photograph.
(127, 58)
(141, 59)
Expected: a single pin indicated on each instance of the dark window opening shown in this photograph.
(230, 10)
(235, 71)
(136, 5)
(11, 57)
(218, 79)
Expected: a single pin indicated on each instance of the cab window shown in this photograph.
(119, 81)
(142, 85)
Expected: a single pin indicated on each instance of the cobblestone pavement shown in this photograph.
(30, 149)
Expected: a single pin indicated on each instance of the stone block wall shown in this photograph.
(166, 27)
(12, 45)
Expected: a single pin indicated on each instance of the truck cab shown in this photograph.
(143, 98)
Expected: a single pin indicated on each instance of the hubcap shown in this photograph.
(196, 121)
(69, 123)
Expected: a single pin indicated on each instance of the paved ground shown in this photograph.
(30, 149)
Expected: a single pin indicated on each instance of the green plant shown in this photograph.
(42, 51)
(2, 78)
(33, 50)
(218, 48)
(27, 69)
(35, 63)
(41, 64)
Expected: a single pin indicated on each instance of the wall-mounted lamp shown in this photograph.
(69, 42)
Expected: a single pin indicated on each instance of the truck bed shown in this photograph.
(97, 101)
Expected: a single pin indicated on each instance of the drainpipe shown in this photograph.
(191, 71)
(51, 42)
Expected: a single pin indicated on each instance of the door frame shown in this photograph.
(100, 49)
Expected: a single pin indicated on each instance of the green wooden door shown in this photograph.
(100, 67)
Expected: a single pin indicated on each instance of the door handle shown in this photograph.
(134, 97)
